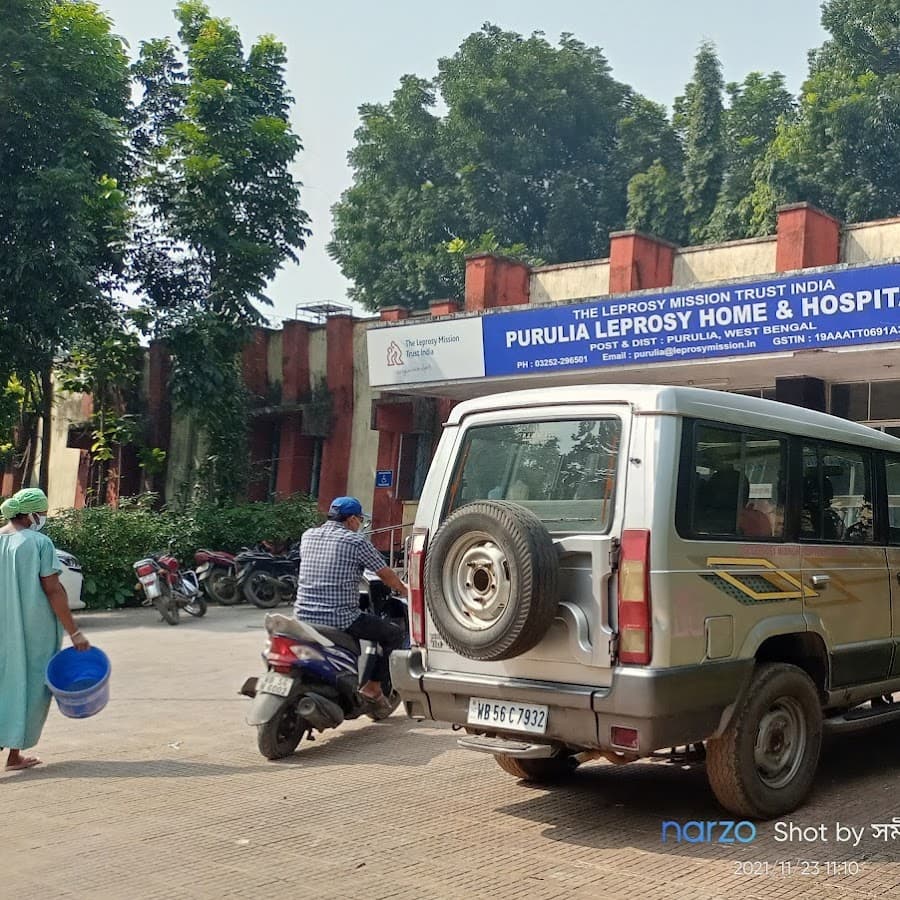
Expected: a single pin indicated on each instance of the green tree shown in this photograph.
(534, 150)
(699, 117)
(842, 151)
(63, 95)
(218, 211)
(656, 204)
(755, 108)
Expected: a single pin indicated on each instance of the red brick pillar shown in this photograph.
(255, 363)
(391, 421)
(295, 449)
(255, 371)
(639, 262)
(493, 281)
(439, 308)
(339, 376)
(394, 313)
(807, 238)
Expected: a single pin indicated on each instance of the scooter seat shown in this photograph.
(341, 638)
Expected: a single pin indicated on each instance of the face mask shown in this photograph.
(38, 521)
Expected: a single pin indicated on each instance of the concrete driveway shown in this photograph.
(164, 795)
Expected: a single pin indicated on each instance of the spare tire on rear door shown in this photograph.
(492, 580)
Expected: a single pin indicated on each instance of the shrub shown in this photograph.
(108, 541)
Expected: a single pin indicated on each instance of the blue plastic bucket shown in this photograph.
(79, 680)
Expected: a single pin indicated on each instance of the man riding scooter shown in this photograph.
(333, 558)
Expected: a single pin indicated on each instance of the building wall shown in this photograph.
(871, 241)
(184, 458)
(274, 353)
(724, 262)
(364, 443)
(569, 281)
(64, 462)
(318, 354)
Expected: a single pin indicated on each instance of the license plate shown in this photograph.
(274, 683)
(528, 717)
(151, 586)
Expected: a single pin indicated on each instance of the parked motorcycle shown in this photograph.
(267, 579)
(217, 573)
(312, 680)
(169, 588)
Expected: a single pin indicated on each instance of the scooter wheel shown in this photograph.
(196, 608)
(280, 736)
(167, 609)
(262, 590)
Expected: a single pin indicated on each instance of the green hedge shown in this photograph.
(108, 541)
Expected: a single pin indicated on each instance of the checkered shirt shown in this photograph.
(332, 561)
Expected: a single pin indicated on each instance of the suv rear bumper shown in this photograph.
(667, 707)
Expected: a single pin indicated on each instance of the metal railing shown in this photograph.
(392, 553)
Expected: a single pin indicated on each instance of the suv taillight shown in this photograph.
(634, 597)
(416, 574)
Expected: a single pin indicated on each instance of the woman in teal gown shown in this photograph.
(34, 610)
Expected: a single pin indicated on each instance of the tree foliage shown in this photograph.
(842, 151)
(63, 95)
(218, 212)
(534, 149)
(700, 119)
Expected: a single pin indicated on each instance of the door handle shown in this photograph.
(820, 580)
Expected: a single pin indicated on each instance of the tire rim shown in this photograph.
(780, 742)
(475, 581)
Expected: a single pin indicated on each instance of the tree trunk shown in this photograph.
(46, 428)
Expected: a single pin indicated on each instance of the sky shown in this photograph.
(346, 53)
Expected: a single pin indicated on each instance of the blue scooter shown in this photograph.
(313, 675)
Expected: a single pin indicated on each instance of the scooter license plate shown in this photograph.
(274, 683)
(529, 717)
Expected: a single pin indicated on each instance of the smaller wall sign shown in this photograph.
(384, 478)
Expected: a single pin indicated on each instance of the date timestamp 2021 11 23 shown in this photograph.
(787, 868)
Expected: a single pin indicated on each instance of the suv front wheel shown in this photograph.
(764, 763)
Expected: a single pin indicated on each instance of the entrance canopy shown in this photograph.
(838, 324)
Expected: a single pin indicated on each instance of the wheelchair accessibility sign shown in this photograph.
(384, 478)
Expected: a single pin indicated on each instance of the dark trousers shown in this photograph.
(384, 632)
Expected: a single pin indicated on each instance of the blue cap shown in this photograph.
(345, 507)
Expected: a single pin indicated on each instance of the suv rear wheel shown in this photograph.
(764, 763)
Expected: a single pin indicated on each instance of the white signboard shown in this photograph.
(427, 351)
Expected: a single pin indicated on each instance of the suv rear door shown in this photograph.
(564, 464)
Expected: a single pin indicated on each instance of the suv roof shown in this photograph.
(698, 403)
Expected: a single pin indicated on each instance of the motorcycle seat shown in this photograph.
(341, 638)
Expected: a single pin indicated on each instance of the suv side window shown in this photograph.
(836, 495)
(735, 483)
(892, 477)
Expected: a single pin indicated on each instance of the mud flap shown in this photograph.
(265, 706)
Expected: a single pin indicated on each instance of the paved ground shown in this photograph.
(164, 795)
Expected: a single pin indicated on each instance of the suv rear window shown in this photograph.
(563, 471)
